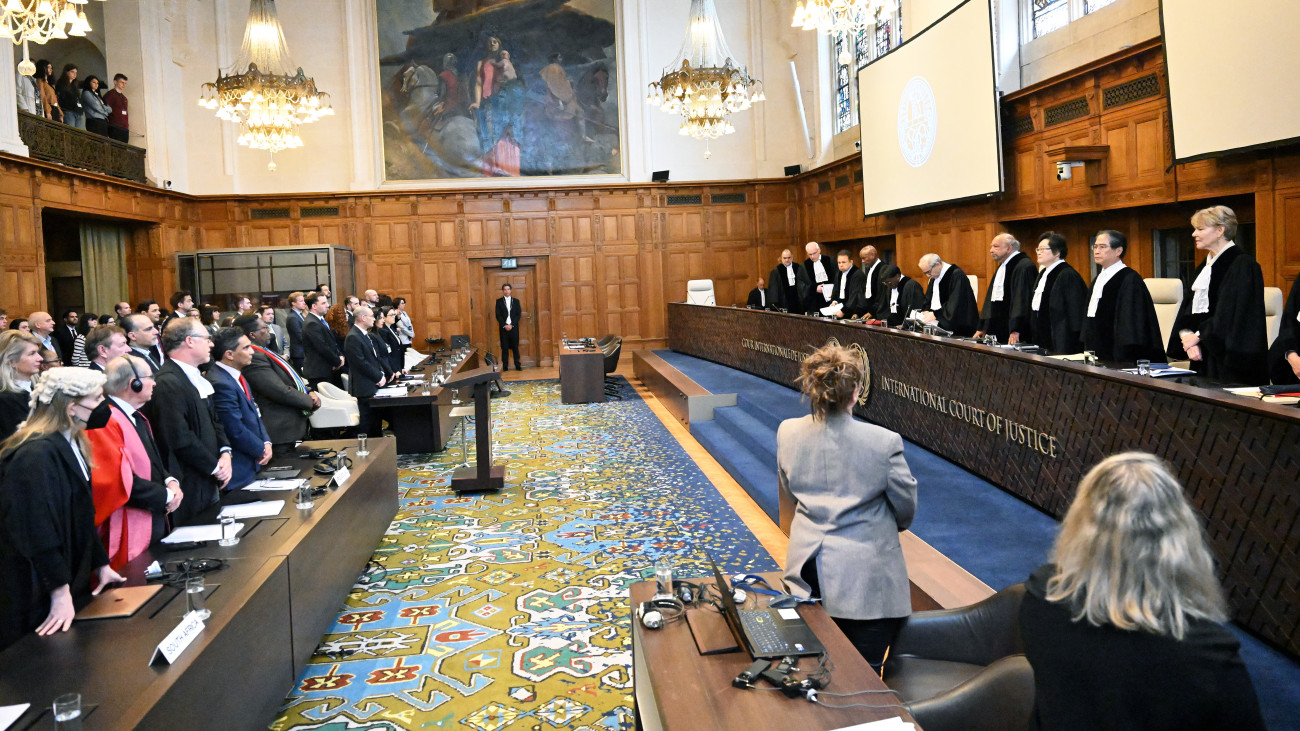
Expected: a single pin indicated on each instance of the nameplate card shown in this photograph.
(178, 639)
(341, 476)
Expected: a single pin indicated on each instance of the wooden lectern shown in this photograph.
(483, 475)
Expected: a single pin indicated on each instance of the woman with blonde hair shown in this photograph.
(51, 559)
(1124, 628)
(853, 495)
(20, 363)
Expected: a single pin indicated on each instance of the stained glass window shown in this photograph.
(1092, 5)
(1049, 15)
(864, 47)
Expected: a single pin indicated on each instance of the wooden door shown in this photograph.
(523, 283)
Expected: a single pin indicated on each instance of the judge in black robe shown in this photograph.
(849, 288)
(901, 295)
(1008, 313)
(1124, 327)
(956, 311)
(820, 271)
(1284, 356)
(874, 293)
(47, 531)
(783, 294)
(758, 298)
(1227, 342)
(1056, 323)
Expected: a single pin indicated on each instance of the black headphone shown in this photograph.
(136, 384)
(655, 613)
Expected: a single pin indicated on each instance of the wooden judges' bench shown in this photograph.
(280, 591)
(1034, 425)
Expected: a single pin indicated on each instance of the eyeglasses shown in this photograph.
(1098, 247)
(1043, 248)
(196, 335)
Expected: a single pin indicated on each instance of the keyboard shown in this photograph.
(763, 632)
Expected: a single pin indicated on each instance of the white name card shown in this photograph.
(341, 476)
(178, 639)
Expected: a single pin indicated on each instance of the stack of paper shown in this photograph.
(198, 533)
(260, 509)
(888, 724)
(274, 485)
(390, 391)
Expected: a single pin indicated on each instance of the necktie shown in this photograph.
(244, 384)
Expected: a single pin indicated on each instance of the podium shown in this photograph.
(483, 475)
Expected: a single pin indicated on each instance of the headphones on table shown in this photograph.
(659, 611)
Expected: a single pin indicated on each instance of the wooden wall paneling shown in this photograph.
(576, 282)
(623, 292)
(443, 312)
(22, 266)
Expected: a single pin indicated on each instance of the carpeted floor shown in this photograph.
(509, 609)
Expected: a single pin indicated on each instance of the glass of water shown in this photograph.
(1144, 367)
(194, 597)
(67, 712)
(663, 578)
(304, 496)
(361, 445)
(229, 533)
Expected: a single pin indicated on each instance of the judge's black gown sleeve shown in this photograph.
(1068, 303)
(1137, 329)
(1234, 344)
(1288, 340)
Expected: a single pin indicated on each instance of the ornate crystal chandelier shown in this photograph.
(266, 100)
(39, 21)
(843, 18)
(704, 85)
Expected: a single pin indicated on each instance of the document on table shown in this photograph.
(9, 714)
(198, 533)
(1160, 370)
(390, 391)
(274, 485)
(261, 509)
(887, 724)
(1253, 392)
(832, 308)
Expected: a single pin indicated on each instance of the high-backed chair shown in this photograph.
(974, 286)
(335, 413)
(700, 292)
(606, 340)
(327, 389)
(612, 351)
(964, 668)
(1167, 294)
(1272, 313)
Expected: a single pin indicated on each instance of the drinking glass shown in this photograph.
(361, 446)
(304, 496)
(229, 533)
(67, 712)
(1144, 367)
(194, 587)
(663, 578)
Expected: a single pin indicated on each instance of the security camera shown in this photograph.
(857, 144)
(1063, 171)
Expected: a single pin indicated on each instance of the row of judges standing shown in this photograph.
(1220, 326)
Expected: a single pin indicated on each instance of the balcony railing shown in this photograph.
(57, 142)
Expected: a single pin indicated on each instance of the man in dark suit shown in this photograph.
(293, 323)
(281, 394)
(104, 344)
(250, 445)
(66, 335)
(182, 302)
(365, 372)
(758, 296)
(322, 360)
(508, 314)
(949, 299)
(185, 420)
(848, 288)
(141, 337)
(1006, 312)
(151, 309)
(789, 285)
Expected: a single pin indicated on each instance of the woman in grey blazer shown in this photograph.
(853, 495)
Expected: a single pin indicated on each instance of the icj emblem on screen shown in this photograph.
(918, 121)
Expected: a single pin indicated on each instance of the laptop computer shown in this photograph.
(767, 633)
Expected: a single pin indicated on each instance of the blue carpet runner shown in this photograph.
(992, 534)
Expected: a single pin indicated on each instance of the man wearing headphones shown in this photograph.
(131, 513)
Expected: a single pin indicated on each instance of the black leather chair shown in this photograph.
(965, 668)
(606, 340)
(612, 350)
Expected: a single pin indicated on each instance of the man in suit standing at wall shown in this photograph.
(365, 372)
(294, 322)
(185, 420)
(508, 314)
(66, 335)
(322, 360)
(233, 398)
(281, 394)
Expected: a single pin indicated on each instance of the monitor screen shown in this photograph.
(1235, 91)
(929, 116)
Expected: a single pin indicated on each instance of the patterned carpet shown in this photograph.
(510, 610)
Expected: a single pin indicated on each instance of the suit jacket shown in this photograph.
(1012, 313)
(279, 340)
(187, 428)
(853, 294)
(244, 429)
(66, 339)
(284, 408)
(957, 311)
(782, 294)
(147, 356)
(853, 495)
(294, 323)
(364, 369)
(515, 312)
(320, 349)
(392, 346)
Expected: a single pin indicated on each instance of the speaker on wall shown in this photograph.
(793, 169)
(659, 176)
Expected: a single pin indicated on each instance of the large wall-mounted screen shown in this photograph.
(1233, 92)
(929, 116)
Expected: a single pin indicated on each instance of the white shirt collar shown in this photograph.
(126, 408)
(76, 451)
(1037, 304)
(24, 385)
(998, 288)
(1100, 284)
(233, 373)
(196, 379)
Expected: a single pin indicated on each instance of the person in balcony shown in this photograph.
(74, 115)
(96, 110)
(44, 79)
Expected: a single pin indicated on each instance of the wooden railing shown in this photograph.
(57, 142)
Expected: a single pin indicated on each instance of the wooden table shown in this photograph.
(677, 688)
(422, 423)
(1034, 425)
(280, 591)
(582, 376)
